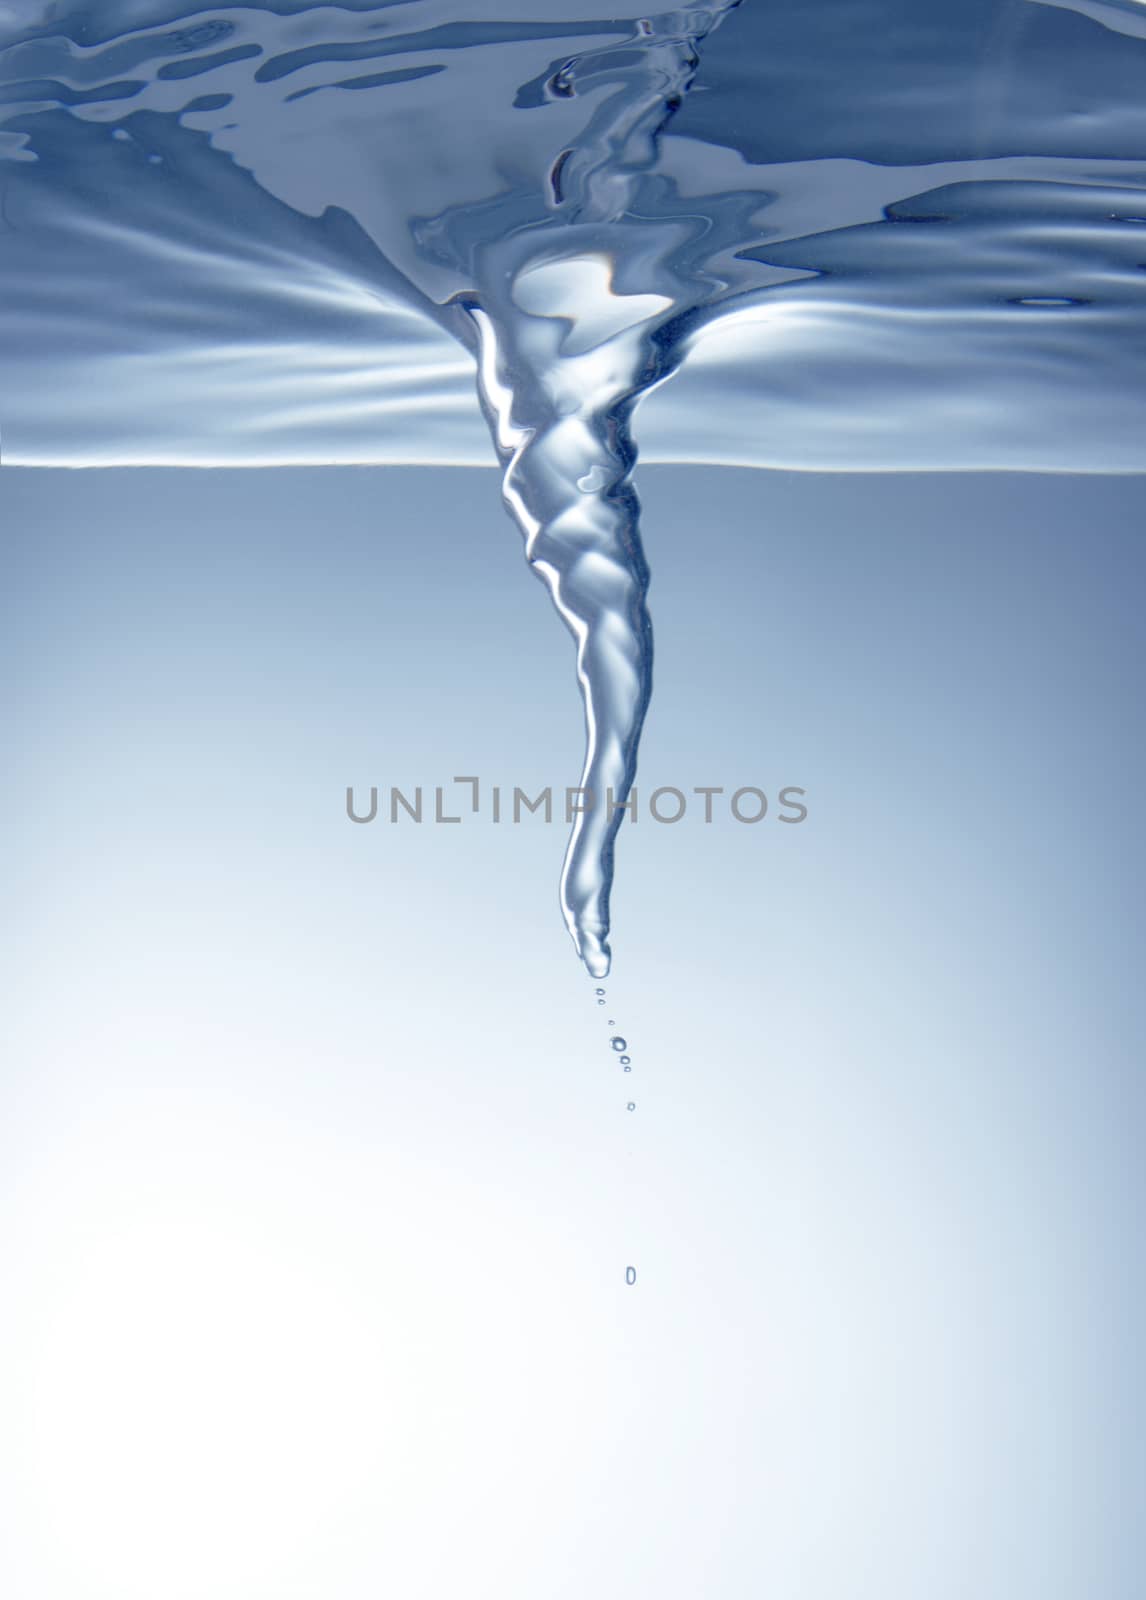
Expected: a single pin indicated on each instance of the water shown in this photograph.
(856, 234)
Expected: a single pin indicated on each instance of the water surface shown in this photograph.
(856, 234)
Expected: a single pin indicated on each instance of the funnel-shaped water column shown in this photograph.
(571, 322)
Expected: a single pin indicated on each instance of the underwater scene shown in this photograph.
(492, 1107)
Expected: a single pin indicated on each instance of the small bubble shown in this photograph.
(630, 1275)
(121, 134)
(625, 1060)
(155, 160)
(632, 1106)
(618, 1043)
(600, 1002)
(628, 1069)
(600, 991)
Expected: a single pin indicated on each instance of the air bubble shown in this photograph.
(625, 1060)
(600, 991)
(632, 1106)
(630, 1275)
(618, 1043)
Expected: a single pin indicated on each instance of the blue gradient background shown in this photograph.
(318, 1184)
